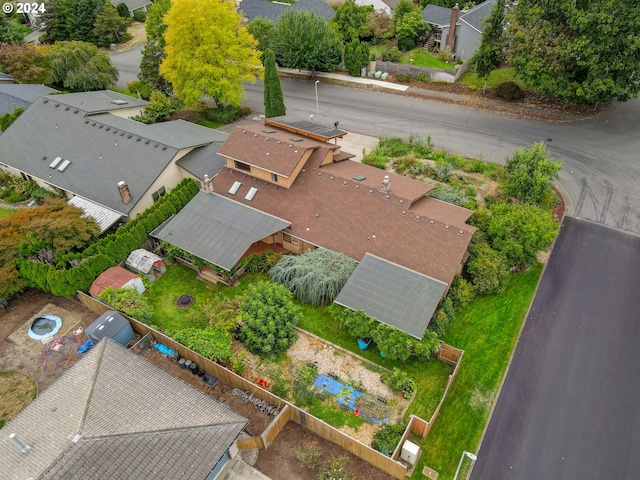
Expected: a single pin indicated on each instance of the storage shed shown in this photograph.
(116, 277)
(146, 263)
(111, 325)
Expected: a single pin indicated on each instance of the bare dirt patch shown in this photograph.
(139, 36)
(279, 460)
(16, 390)
(23, 355)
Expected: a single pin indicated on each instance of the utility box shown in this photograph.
(410, 452)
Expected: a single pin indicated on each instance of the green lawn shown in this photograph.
(378, 50)
(430, 377)
(487, 331)
(123, 91)
(208, 124)
(497, 77)
(179, 280)
(421, 58)
(5, 212)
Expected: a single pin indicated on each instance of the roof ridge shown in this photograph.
(160, 432)
(98, 362)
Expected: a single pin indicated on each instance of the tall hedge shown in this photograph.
(106, 252)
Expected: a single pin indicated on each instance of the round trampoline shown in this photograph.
(44, 327)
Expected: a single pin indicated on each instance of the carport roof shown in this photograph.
(392, 294)
(217, 229)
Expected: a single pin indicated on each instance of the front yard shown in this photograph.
(421, 58)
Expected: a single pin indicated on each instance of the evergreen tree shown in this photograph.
(82, 16)
(153, 53)
(356, 56)
(110, 27)
(273, 99)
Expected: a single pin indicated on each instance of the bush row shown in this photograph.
(110, 250)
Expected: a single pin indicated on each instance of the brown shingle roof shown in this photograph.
(326, 211)
(266, 148)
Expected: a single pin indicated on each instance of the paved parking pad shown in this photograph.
(570, 405)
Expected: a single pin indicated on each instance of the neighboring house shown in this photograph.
(5, 78)
(288, 187)
(85, 144)
(273, 10)
(388, 6)
(115, 415)
(461, 31)
(133, 5)
(20, 95)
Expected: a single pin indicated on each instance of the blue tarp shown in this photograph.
(164, 349)
(85, 347)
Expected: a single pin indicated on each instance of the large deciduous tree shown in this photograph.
(80, 66)
(25, 63)
(261, 29)
(490, 54)
(583, 51)
(302, 39)
(410, 27)
(209, 52)
(351, 20)
(273, 98)
(268, 317)
(153, 53)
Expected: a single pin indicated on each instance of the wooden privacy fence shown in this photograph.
(288, 411)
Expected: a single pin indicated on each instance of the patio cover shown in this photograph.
(217, 229)
(104, 217)
(392, 294)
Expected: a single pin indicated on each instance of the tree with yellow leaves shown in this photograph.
(209, 52)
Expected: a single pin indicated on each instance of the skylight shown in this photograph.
(234, 188)
(63, 166)
(55, 163)
(252, 193)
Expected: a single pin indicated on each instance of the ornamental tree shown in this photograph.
(273, 98)
(302, 39)
(80, 66)
(209, 52)
(268, 317)
(351, 20)
(25, 63)
(356, 56)
(530, 172)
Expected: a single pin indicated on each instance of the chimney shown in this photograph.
(125, 194)
(23, 448)
(386, 184)
(208, 186)
(451, 37)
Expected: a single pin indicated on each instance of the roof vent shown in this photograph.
(446, 227)
(252, 193)
(344, 182)
(401, 202)
(56, 162)
(359, 177)
(93, 124)
(234, 188)
(275, 187)
(57, 105)
(44, 158)
(101, 126)
(317, 215)
(387, 197)
(269, 131)
(404, 212)
(295, 139)
(164, 147)
(129, 136)
(24, 448)
(370, 192)
(45, 101)
(155, 145)
(114, 131)
(66, 109)
(331, 177)
(75, 111)
(290, 146)
(319, 174)
(147, 142)
(266, 139)
(122, 134)
(119, 102)
(278, 142)
(460, 232)
(432, 222)
(231, 170)
(244, 132)
(255, 135)
(357, 186)
(138, 139)
(108, 129)
(86, 122)
(417, 217)
(267, 153)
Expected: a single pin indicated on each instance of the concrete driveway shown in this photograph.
(569, 406)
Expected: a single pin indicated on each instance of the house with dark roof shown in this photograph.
(133, 5)
(115, 415)
(86, 145)
(20, 95)
(460, 30)
(285, 185)
(273, 10)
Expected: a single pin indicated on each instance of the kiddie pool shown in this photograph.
(44, 327)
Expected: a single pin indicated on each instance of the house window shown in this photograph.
(25, 177)
(160, 193)
(242, 166)
(289, 239)
(274, 177)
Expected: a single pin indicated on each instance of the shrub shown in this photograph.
(442, 172)
(376, 158)
(224, 115)
(142, 88)
(403, 78)
(212, 343)
(422, 77)
(268, 317)
(487, 268)
(386, 439)
(410, 166)
(357, 323)
(461, 292)
(316, 276)
(308, 454)
(530, 172)
(128, 301)
(392, 54)
(304, 374)
(336, 469)
(392, 343)
(139, 15)
(123, 10)
(262, 262)
(398, 381)
(510, 91)
(457, 195)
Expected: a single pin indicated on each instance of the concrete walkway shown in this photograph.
(346, 78)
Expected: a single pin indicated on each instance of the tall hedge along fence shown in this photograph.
(77, 271)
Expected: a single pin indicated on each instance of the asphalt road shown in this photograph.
(601, 157)
(569, 406)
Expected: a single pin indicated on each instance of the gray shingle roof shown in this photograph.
(218, 229)
(273, 11)
(437, 15)
(204, 161)
(477, 15)
(20, 95)
(134, 420)
(99, 101)
(132, 4)
(103, 149)
(392, 294)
